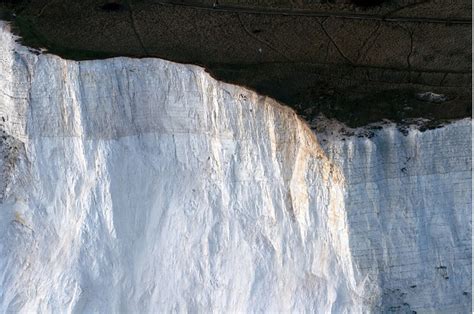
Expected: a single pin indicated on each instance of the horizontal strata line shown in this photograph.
(342, 15)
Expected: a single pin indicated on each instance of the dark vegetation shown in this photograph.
(112, 7)
(367, 3)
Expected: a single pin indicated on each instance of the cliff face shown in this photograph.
(147, 186)
(408, 206)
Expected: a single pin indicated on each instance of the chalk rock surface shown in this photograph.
(144, 186)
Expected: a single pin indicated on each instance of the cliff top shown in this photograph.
(357, 61)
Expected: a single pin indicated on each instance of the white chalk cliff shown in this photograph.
(145, 186)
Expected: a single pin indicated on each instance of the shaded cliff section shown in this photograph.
(356, 61)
